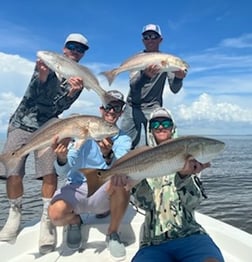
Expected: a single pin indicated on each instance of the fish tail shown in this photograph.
(94, 179)
(9, 161)
(110, 75)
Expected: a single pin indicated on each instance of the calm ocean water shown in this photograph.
(228, 184)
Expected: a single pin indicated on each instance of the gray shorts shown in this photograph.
(76, 196)
(43, 163)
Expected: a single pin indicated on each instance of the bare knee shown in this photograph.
(56, 212)
(53, 213)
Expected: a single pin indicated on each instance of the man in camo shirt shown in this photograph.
(45, 99)
(170, 231)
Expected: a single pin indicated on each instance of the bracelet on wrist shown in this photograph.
(109, 156)
(61, 163)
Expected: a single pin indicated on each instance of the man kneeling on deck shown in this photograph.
(72, 199)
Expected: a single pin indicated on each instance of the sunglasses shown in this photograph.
(76, 47)
(116, 108)
(166, 124)
(151, 36)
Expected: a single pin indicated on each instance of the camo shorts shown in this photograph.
(43, 162)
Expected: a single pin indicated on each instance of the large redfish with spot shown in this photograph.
(167, 62)
(65, 67)
(76, 126)
(162, 160)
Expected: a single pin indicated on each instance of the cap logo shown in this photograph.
(151, 27)
(116, 95)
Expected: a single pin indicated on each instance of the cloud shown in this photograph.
(205, 108)
(213, 98)
(244, 41)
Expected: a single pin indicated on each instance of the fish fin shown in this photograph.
(42, 151)
(110, 75)
(131, 154)
(87, 87)
(94, 179)
(59, 77)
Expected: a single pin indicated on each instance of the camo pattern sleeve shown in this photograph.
(142, 196)
(169, 210)
(42, 102)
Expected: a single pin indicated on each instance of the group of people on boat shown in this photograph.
(170, 231)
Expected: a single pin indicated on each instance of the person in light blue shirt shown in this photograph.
(89, 156)
(72, 199)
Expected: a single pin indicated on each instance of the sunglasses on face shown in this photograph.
(151, 36)
(166, 124)
(75, 47)
(116, 108)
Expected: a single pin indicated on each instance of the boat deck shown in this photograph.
(235, 244)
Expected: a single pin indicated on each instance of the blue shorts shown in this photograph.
(194, 248)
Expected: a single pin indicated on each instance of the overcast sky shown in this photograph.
(214, 37)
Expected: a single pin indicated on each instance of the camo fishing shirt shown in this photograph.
(42, 102)
(169, 203)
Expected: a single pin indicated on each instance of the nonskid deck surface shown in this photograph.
(93, 247)
(235, 244)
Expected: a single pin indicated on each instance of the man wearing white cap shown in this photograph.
(46, 98)
(170, 230)
(146, 87)
(71, 200)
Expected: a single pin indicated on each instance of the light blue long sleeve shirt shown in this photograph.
(89, 155)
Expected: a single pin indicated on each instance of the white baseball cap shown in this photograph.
(79, 38)
(152, 27)
(160, 113)
(119, 97)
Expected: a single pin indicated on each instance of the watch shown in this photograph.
(110, 155)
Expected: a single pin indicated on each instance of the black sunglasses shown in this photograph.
(116, 108)
(151, 36)
(76, 47)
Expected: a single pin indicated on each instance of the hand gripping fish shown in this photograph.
(162, 160)
(65, 67)
(76, 126)
(140, 61)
